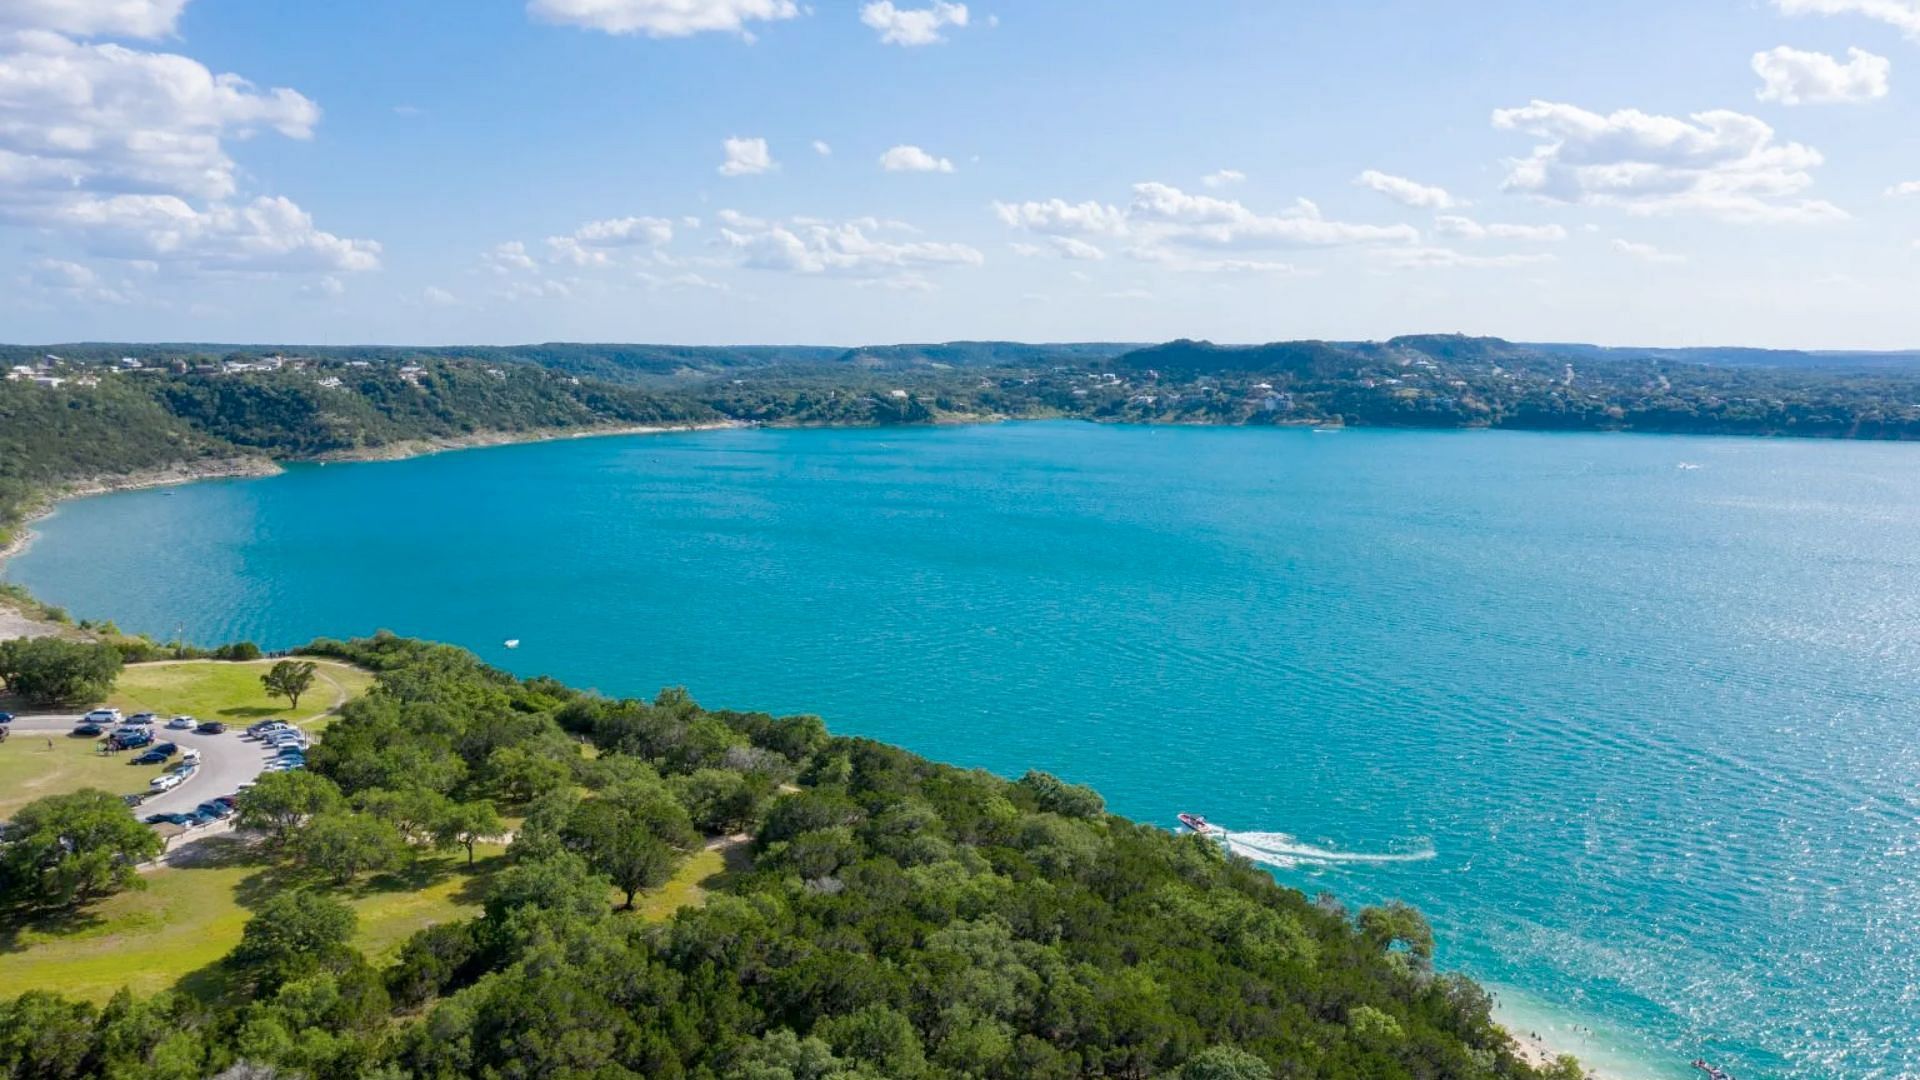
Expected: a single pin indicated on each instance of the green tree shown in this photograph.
(54, 671)
(523, 776)
(279, 803)
(344, 845)
(295, 934)
(633, 834)
(289, 679)
(466, 824)
(64, 850)
(1225, 1063)
(719, 800)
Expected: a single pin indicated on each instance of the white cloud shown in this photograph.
(1439, 258)
(1183, 231)
(1902, 190)
(1793, 77)
(60, 274)
(125, 150)
(1404, 191)
(438, 297)
(1057, 217)
(913, 26)
(1223, 178)
(78, 116)
(1645, 252)
(1466, 228)
(328, 286)
(746, 157)
(508, 257)
(1073, 248)
(592, 244)
(858, 248)
(87, 18)
(265, 235)
(662, 18)
(913, 159)
(821, 147)
(1721, 163)
(1904, 14)
(1205, 221)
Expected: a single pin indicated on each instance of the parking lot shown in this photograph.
(227, 760)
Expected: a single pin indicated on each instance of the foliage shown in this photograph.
(54, 671)
(289, 679)
(294, 934)
(279, 803)
(344, 845)
(899, 919)
(65, 850)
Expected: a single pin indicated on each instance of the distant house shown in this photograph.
(130, 364)
(330, 383)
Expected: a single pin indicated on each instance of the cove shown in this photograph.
(1630, 718)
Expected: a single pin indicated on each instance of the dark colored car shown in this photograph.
(167, 748)
(292, 753)
(6, 718)
(88, 731)
(134, 799)
(170, 819)
(214, 807)
(211, 727)
(143, 719)
(129, 740)
(149, 757)
(227, 801)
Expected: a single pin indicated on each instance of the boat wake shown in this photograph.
(1287, 853)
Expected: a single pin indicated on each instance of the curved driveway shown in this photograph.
(226, 761)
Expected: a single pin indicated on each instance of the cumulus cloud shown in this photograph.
(78, 116)
(1061, 218)
(1466, 228)
(1793, 77)
(1903, 189)
(913, 26)
(1904, 14)
(88, 18)
(438, 297)
(509, 257)
(1645, 252)
(265, 235)
(821, 147)
(125, 150)
(861, 248)
(913, 159)
(1223, 178)
(746, 157)
(593, 244)
(661, 18)
(1185, 231)
(1404, 191)
(1721, 163)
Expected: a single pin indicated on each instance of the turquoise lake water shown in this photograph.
(1643, 739)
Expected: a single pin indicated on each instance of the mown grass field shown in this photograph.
(231, 692)
(177, 929)
(30, 770)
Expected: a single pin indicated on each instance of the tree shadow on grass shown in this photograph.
(249, 712)
(19, 919)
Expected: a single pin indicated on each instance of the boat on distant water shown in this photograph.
(1687, 465)
(1200, 825)
(512, 643)
(1713, 1071)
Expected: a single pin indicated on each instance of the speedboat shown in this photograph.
(1200, 825)
(512, 643)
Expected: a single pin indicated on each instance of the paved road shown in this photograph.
(226, 761)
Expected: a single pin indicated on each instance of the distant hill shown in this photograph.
(1732, 356)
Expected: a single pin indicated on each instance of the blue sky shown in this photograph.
(722, 171)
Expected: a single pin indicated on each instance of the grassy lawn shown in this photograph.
(188, 918)
(231, 692)
(28, 770)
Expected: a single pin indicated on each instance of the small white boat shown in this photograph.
(513, 643)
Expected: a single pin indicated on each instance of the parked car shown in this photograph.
(182, 723)
(134, 799)
(190, 756)
(102, 716)
(144, 719)
(6, 718)
(227, 801)
(211, 727)
(88, 730)
(167, 748)
(129, 739)
(149, 757)
(214, 807)
(166, 781)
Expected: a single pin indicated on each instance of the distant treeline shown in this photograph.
(188, 404)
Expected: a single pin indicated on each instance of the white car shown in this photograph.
(103, 717)
(166, 781)
(190, 756)
(182, 723)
